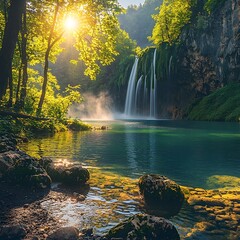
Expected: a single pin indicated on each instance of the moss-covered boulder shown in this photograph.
(143, 226)
(161, 195)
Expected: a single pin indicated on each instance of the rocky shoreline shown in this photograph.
(25, 216)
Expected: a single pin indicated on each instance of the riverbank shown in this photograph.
(22, 128)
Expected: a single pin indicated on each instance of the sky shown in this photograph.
(126, 3)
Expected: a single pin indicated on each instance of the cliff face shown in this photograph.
(207, 59)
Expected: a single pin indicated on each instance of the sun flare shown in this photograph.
(71, 23)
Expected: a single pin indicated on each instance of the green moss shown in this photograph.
(77, 125)
(30, 127)
(222, 105)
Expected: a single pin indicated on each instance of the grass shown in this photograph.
(222, 105)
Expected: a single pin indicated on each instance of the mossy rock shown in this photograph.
(143, 226)
(162, 196)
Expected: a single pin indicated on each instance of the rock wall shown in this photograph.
(207, 59)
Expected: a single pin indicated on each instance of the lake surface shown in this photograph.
(187, 152)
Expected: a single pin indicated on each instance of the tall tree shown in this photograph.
(50, 44)
(10, 37)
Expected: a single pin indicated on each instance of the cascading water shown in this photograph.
(153, 89)
(130, 98)
(141, 95)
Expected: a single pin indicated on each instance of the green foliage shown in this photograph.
(2, 24)
(77, 125)
(97, 36)
(211, 5)
(116, 75)
(172, 17)
(165, 54)
(222, 105)
(56, 106)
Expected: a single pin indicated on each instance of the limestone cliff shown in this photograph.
(207, 59)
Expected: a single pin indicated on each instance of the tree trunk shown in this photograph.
(19, 75)
(10, 100)
(45, 80)
(45, 74)
(23, 93)
(11, 31)
(18, 86)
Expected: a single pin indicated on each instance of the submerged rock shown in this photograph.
(143, 226)
(65, 233)
(15, 232)
(223, 181)
(161, 195)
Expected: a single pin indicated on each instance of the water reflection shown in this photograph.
(187, 152)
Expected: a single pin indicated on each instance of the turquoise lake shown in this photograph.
(187, 152)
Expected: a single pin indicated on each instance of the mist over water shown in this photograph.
(94, 107)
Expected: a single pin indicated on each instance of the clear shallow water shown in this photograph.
(187, 152)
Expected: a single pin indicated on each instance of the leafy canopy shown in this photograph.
(173, 15)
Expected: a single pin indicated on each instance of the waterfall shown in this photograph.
(141, 95)
(138, 93)
(153, 87)
(130, 99)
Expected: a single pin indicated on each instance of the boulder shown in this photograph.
(75, 175)
(162, 196)
(143, 226)
(15, 232)
(65, 233)
(21, 168)
(40, 181)
(70, 174)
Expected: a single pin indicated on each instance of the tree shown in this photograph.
(95, 36)
(51, 41)
(10, 37)
(173, 15)
(42, 31)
